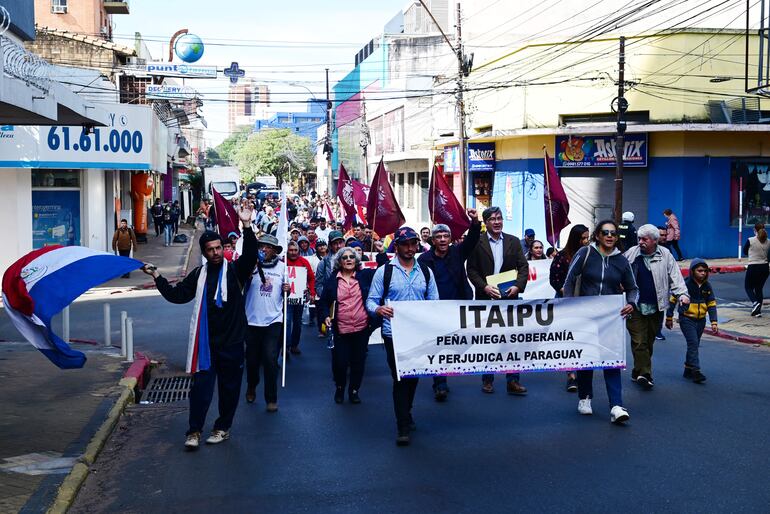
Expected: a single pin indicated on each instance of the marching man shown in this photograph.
(217, 330)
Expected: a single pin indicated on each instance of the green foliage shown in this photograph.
(229, 147)
(213, 158)
(275, 152)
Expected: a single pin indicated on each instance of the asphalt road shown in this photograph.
(687, 447)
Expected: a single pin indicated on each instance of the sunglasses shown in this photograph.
(348, 257)
(612, 233)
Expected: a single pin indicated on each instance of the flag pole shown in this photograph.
(433, 196)
(547, 171)
(285, 302)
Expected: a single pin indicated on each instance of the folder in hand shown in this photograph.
(503, 281)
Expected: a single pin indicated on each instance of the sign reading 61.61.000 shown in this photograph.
(99, 140)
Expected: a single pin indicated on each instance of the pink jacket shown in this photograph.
(672, 229)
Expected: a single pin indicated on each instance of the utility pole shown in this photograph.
(328, 141)
(620, 106)
(365, 140)
(464, 66)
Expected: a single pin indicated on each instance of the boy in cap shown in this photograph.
(692, 317)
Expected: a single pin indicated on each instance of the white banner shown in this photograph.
(539, 285)
(297, 284)
(457, 337)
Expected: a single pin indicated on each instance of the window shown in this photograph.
(400, 189)
(55, 178)
(59, 6)
(410, 192)
(753, 177)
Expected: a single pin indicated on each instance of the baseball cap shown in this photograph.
(334, 235)
(529, 232)
(405, 234)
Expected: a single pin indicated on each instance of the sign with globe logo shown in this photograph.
(189, 48)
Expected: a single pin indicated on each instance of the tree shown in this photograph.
(213, 158)
(275, 152)
(230, 146)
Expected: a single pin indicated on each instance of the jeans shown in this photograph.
(672, 246)
(262, 345)
(403, 390)
(125, 253)
(227, 372)
(349, 352)
(692, 329)
(643, 329)
(294, 324)
(585, 379)
(509, 377)
(756, 276)
(158, 224)
(168, 233)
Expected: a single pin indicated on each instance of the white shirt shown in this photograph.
(497, 251)
(264, 302)
(323, 235)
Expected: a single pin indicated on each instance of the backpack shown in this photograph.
(376, 321)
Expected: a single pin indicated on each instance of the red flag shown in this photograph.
(444, 206)
(382, 211)
(556, 203)
(360, 198)
(227, 219)
(345, 197)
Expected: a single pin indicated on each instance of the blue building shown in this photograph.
(303, 124)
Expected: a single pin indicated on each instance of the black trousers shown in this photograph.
(262, 347)
(403, 390)
(125, 253)
(754, 282)
(349, 352)
(158, 223)
(226, 372)
(673, 246)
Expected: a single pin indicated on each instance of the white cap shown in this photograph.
(628, 216)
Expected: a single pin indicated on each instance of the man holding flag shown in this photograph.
(217, 329)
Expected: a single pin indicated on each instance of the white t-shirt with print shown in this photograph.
(264, 302)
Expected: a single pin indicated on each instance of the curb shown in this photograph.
(181, 273)
(718, 269)
(69, 488)
(736, 337)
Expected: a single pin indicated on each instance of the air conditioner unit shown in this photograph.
(59, 9)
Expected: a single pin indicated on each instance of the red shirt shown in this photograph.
(351, 314)
(301, 261)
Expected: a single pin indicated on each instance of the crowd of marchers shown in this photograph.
(239, 293)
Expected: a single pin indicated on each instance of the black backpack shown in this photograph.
(376, 321)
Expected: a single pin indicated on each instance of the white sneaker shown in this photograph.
(217, 436)
(193, 441)
(584, 407)
(618, 415)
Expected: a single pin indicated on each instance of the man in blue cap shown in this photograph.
(401, 279)
(529, 238)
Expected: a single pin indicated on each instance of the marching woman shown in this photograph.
(602, 270)
(579, 236)
(342, 306)
(757, 248)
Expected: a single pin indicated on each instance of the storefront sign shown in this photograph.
(168, 69)
(599, 151)
(55, 218)
(449, 337)
(481, 157)
(169, 92)
(126, 144)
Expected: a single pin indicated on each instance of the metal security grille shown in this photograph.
(167, 389)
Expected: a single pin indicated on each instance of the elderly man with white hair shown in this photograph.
(448, 264)
(657, 274)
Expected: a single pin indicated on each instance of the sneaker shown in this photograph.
(217, 436)
(514, 387)
(755, 308)
(584, 407)
(660, 337)
(572, 385)
(645, 380)
(339, 395)
(193, 441)
(698, 377)
(634, 375)
(251, 395)
(403, 437)
(353, 396)
(618, 415)
(440, 395)
(687, 373)
(272, 407)
(488, 388)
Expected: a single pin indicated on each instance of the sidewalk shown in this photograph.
(731, 265)
(737, 324)
(49, 417)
